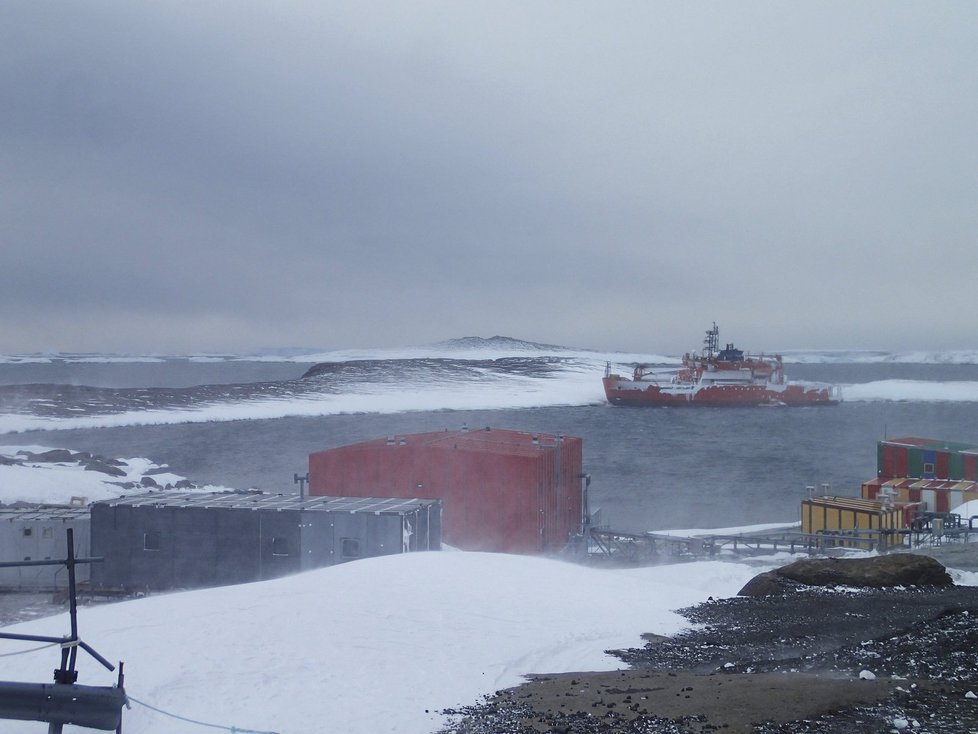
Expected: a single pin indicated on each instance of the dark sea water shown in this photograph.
(243, 424)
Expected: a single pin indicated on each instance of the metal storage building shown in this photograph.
(503, 490)
(926, 458)
(39, 534)
(167, 540)
(851, 516)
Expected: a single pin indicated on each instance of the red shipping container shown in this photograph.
(971, 467)
(901, 461)
(504, 491)
(913, 456)
(887, 461)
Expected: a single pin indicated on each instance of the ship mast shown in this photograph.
(711, 344)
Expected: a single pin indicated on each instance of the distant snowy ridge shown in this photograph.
(384, 387)
(961, 391)
(494, 343)
(476, 347)
(74, 358)
(958, 356)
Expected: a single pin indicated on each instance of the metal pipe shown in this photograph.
(12, 564)
(88, 648)
(30, 638)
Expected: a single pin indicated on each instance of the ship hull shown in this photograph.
(622, 391)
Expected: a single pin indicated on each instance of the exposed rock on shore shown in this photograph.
(878, 572)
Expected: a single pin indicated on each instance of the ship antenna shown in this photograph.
(712, 341)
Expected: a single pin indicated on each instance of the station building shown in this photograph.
(502, 490)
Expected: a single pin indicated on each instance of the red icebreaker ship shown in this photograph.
(718, 377)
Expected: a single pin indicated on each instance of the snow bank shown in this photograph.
(377, 645)
(965, 391)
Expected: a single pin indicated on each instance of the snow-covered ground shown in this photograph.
(376, 645)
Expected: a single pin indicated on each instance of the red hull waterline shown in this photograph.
(623, 391)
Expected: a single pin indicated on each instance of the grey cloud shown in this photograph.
(420, 175)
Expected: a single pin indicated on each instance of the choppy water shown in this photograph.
(243, 422)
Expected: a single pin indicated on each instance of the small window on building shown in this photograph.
(280, 546)
(351, 548)
(928, 468)
(47, 533)
(28, 532)
(151, 540)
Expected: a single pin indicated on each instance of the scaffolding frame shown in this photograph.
(64, 701)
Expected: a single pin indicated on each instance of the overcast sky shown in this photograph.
(185, 177)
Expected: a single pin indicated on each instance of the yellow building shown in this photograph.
(854, 520)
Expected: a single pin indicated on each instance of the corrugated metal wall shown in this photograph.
(845, 514)
(40, 539)
(502, 491)
(919, 458)
(166, 547)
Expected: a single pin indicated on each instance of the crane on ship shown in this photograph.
(711, 344)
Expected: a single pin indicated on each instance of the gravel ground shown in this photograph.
(815, 660)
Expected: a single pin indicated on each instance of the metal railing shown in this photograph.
(652, 547)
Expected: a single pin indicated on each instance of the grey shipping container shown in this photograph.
(170, 540)
(40, 534)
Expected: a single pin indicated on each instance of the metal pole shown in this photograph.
(301, 481)
(66, 673)
(73, 606)
(121, 686)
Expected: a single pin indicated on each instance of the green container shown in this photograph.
(915, 462)
(955, 466)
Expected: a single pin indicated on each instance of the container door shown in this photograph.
(915, 463)
(900, 461)
(970, 465)
(886, 463)
(955, 466)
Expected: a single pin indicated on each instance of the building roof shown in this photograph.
(956, 485)
(266, 501)
(42, 514)
(484, 440)
(852, 503)
(932, 444)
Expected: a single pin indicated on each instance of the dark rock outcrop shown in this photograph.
(767, 584)
(124, 485)
(897, 569)
(52, 456)
(104, 468)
